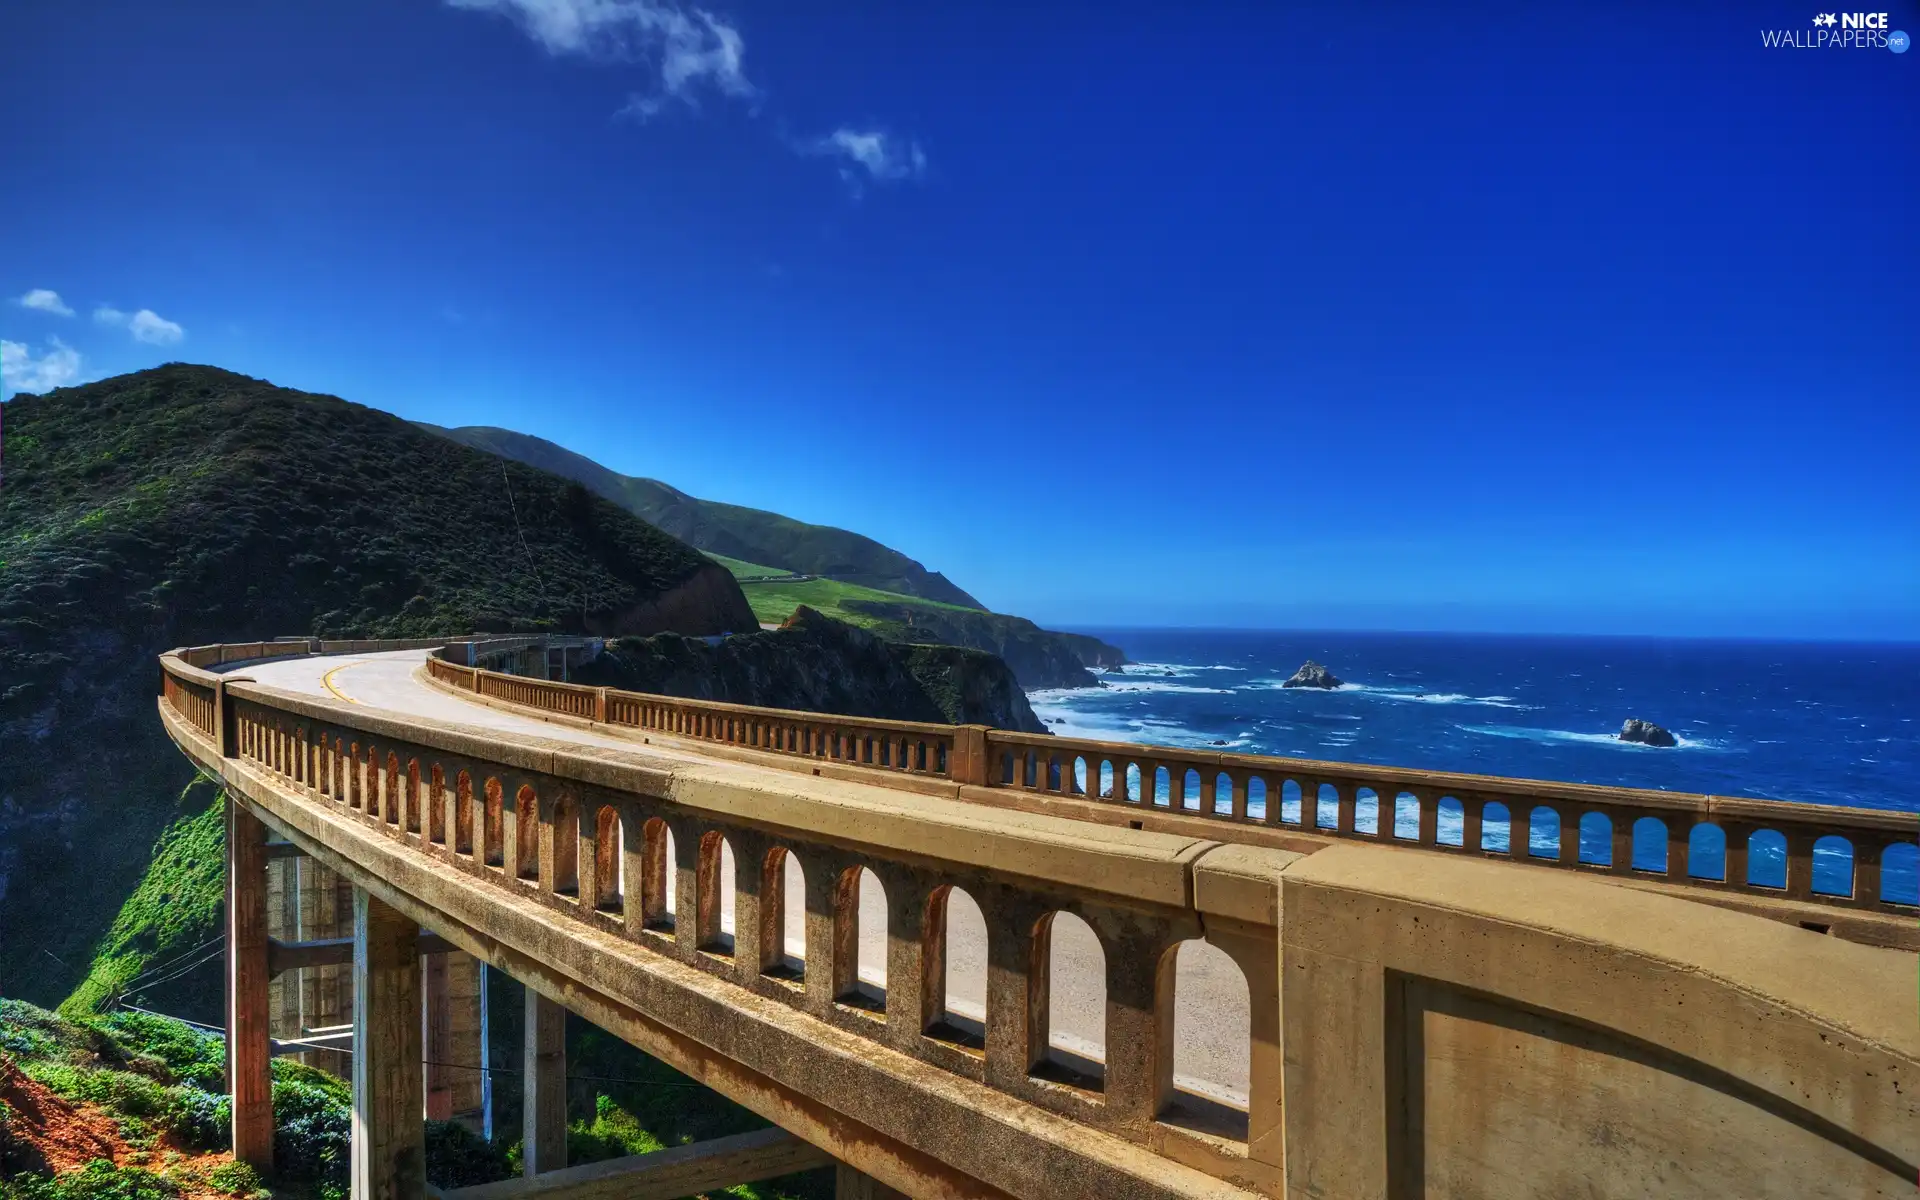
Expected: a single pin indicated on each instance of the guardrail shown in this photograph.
(597, 841)
(1822, 854)
(1811, 852)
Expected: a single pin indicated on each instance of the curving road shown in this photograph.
(1211, 1013)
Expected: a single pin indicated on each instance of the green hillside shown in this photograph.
(855, 578)
(748, 534)
(187, 504)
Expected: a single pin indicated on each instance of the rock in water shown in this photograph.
(1312, 675)
(1646, 733)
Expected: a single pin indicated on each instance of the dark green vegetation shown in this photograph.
(818, 664)
(156, 954)
(187, 504)
(622, 1101)
(158, 1085)
(855, 578)
(750, 534)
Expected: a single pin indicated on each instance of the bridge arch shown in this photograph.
(1067, 991)
(1207, 1063)
(953, 940)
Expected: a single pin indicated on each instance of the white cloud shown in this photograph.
(46, 300)
(145, 326)
(20, 371)
(882, 156)
(691, 50)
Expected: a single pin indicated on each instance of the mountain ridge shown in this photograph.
(734, 530)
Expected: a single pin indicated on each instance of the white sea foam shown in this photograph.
(1154, 686)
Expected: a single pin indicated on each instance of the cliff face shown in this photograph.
(1040, 657)
(188, 504)
(817, 664)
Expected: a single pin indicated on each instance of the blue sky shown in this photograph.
(1555, 318)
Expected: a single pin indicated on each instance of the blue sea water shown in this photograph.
(1823, 723)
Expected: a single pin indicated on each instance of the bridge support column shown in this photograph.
(389, 1138)
(249, 1015)
(849, 1184)
(436, 1037)
(544, 1102)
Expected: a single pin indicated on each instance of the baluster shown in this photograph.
(1621, 832)
(1520, 829)
(1346, 796)
(1868, 850)
(1569, 855)
(1016, 988)
(1239, 781)
(1429, 831)
(1739, 835)
(1310, 806)
(1139, 1034)
(1800, 862)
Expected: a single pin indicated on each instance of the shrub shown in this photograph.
(459, 1157)
(98, 1180)
(313, 1134)
(237, 1179)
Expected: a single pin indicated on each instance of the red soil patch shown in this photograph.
(70, 1134)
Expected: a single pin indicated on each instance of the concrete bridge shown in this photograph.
(965, 962)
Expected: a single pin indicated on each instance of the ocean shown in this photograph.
(1823, 723)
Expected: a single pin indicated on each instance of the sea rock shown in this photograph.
(1312, 675)
(1646, 733)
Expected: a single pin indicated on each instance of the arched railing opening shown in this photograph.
(1596, 839)
(1212, 1035)
(1766, 859)
(860, 935)
(1833, 866)
(713, 907)
(1707, 851)
(954, 956)
(1496, 828)
(1067, 1023)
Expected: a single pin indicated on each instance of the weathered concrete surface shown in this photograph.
(1211, 1057)
(1450, 1025)
(1455, 1027)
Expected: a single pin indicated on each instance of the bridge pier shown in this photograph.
(249, 1016)
(389, 1138)
(544, 1101)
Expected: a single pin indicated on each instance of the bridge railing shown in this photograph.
(1534, 1007)
(909, 747)
(1823, 854)
(597, 842)
(1807, 852)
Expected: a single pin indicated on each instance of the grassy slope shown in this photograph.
(188, 504)
(745, 570)
(750, 534)
(775, 602)
(168, 920)
(1039, 657)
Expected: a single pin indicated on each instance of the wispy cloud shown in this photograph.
(145, 326)
(22, 371)
(870, 155)
(691, 51)
(46, 300)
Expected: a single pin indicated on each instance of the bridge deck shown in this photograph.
(1209, 1057)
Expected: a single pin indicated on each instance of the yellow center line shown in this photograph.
(327, 679)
